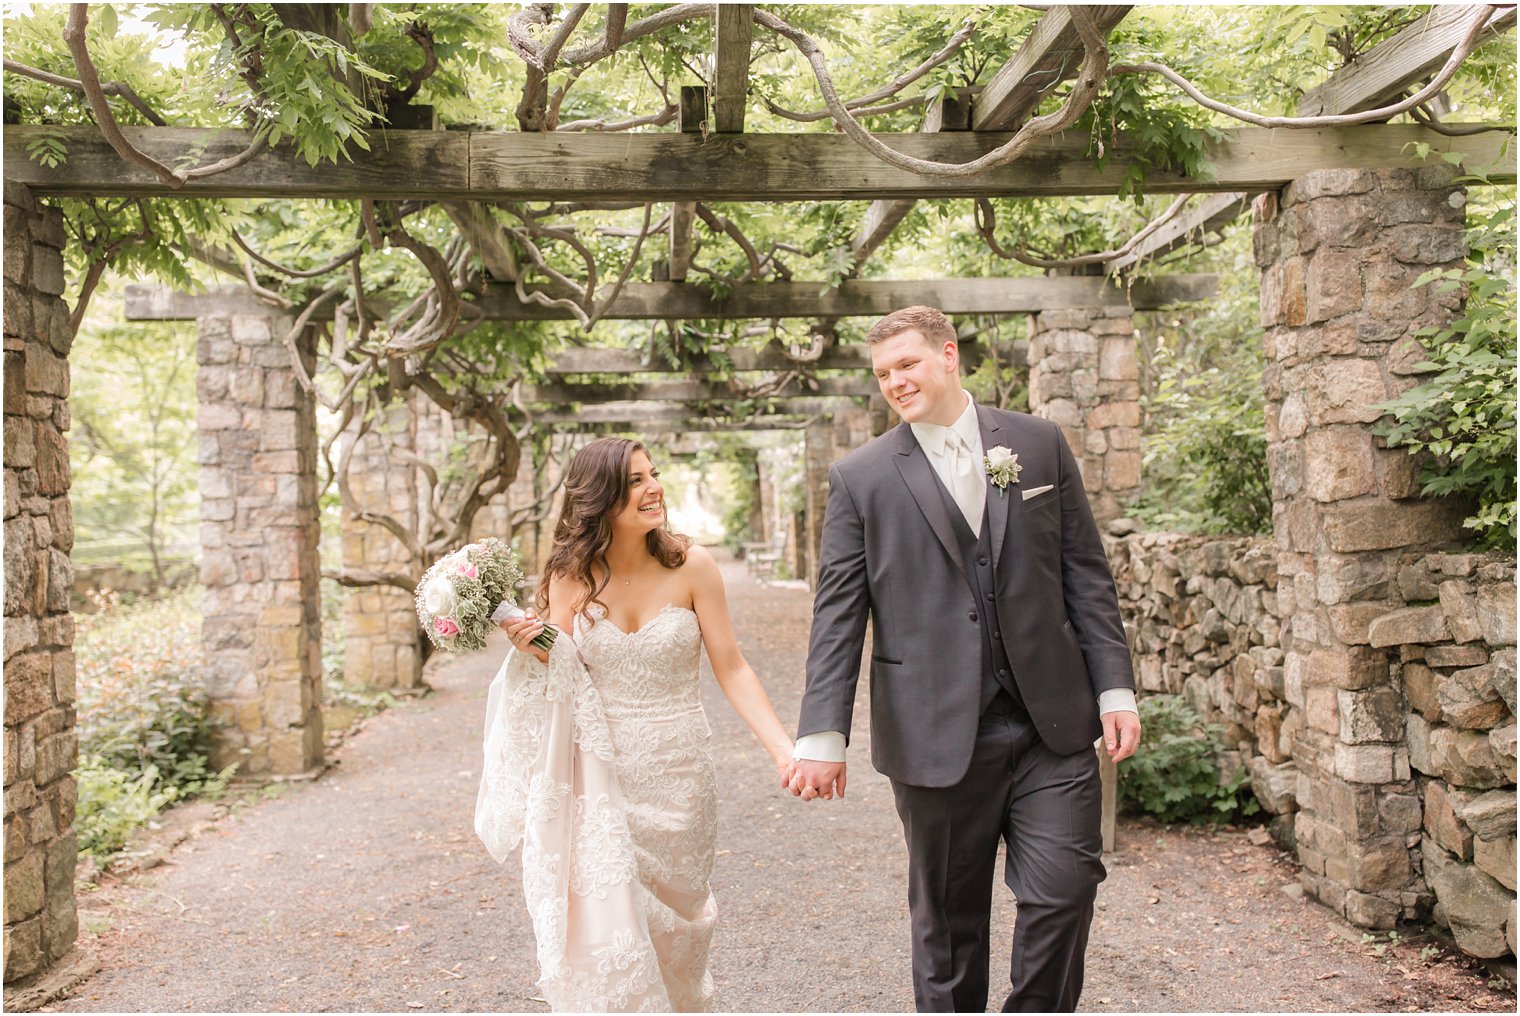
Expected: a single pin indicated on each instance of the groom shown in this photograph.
(996, 646)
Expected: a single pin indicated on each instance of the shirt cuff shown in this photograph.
(1117, 700)
(824, 746)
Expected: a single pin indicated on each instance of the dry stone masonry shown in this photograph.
(41, 746)
(1084, 375)
(1204, 622)
(259, 532)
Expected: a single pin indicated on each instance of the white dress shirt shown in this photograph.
(943, 447)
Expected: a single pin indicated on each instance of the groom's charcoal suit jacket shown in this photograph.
(891, 552)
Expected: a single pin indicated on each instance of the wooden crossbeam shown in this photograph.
(1214, 212)
(444, 165)
(1050, 54)
(688, 390)
(1378, 78)
(676, 425)
(592, 360)
(646, 413)
(1381, 75)
(646, 301)
(735, 32)
(1003, 109)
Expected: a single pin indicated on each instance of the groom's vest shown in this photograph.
(976, 554)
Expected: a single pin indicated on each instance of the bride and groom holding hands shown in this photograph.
(998, 657)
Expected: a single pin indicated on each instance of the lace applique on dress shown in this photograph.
(599, 765)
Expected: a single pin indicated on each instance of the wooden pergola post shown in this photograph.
(259, 533)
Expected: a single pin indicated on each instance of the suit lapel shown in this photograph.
(918, 474)
(997, 500)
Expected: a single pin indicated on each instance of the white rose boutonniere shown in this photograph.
(1002, 467)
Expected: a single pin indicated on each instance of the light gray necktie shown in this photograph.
(968, 488)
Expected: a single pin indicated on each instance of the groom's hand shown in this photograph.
(1121, 734)
(810, 779)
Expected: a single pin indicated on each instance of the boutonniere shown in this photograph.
(1002, 467)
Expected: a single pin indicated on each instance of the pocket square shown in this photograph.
(1037, 491)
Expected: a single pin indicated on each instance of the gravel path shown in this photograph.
(367, 890)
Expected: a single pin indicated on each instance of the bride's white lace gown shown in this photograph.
(600, 765)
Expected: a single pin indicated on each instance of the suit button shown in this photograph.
(972, 615)
(998, 635)
(1002, 675)
(981, 561)
(989, 597)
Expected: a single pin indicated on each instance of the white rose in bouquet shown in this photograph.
(464, 594)
(439, 598)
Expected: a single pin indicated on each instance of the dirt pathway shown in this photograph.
(367, 890)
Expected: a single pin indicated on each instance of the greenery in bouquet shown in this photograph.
(458, 595)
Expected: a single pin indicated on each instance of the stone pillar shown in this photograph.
(380, 634)
(41, 746)
(1084, 375)
(1339, 251)
(259, 532)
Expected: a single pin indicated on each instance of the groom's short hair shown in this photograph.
(927, 321)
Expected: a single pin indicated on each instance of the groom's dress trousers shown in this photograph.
(990, 646)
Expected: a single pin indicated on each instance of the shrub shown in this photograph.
(1205, 430)
(1462, 420)
(1175, 775)
(144, 730)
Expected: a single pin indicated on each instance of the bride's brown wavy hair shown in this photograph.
(596, 489)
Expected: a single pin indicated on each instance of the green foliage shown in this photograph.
(1175, 775)
(1461, 421)
(144, 728)
(113, 803)
(1205, 444)
(132, 452)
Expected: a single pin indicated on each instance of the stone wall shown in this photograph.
(1084, 375)
(1205, 620)
(41, 746)
(259, 533)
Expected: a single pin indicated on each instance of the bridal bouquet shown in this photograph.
(465, 593)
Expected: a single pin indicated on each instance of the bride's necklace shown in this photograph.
(629, 580)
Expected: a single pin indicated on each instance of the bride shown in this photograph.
(597, 752)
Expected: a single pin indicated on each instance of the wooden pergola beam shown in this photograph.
(1000, 110)
(676, 425)
(1379, 77)
(646, 413)
(593, 360)
(506, 166)
(735, 32)
(1050, 54)
(653, 301)
(1214, 212)
(688, 390)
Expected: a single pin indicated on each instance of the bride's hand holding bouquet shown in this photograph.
(466, 593)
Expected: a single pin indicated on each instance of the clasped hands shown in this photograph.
(810, 779)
